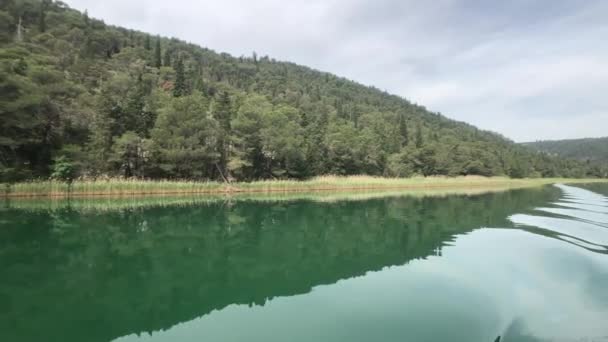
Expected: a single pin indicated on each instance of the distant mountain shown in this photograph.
(593, 149)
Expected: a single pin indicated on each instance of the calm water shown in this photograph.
(528, 265)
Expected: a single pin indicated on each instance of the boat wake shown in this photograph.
(580, 217)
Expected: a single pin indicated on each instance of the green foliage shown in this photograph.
(157, 54)
(179, 88)
(590, 149)
(147, 43)
(74, 81)
(42, 16)
(419, 139)
(130, 153)
(403, 130)
(223, 115)
(167, 58)
(186, 138)
(63, 169)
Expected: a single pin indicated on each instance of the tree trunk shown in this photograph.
(19, 30)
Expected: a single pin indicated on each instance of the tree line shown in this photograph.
(82, 98)
(590, 150)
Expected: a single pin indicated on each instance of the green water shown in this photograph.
(526, 265)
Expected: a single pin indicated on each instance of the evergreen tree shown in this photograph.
(42, 16)
(139, 118)
(223, 115)
(185, 136)
(157, 54)
(419, 139)
(403, 130)
(129, 154)
(147, 43)
(199, 83)
(179, 88)
(167, 58)
(223, 111)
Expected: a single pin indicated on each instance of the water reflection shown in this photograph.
(397, 268)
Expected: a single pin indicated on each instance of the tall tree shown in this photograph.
(130, 154)
(419, 139)
(157, 53)
(179, 88)
(223, 115)
(137, 117)
(185, 138)
(403, 130)
(147, 43)
(167, 58)
(247, 159)
(42, 16)
(6, 27)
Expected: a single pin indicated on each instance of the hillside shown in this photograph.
(589, 149)
(82, 98)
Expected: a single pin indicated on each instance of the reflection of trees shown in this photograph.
(97, 276)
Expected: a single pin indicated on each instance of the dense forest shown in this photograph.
(589, 149)
(80, 98)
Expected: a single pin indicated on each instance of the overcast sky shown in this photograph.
(528, 69)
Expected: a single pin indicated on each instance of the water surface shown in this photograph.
(526, 265)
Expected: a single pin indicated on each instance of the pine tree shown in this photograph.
(403, 130)
(137, 118)
(223, 115)
(157, 54)
(419, 141)
(167, 58)
(42, 17)
(147, 43)
(223, 111)
(198, 82)
(179, 88)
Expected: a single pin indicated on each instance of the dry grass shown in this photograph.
(130, 187)
(111, 203)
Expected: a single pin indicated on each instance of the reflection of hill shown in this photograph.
(97, 276)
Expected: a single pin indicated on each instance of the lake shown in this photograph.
(526, 265)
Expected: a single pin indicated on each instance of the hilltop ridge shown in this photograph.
(586, 149)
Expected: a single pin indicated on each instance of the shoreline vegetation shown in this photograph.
(112, 203)
(119, 187)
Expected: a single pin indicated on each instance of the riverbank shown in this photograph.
(132, 187)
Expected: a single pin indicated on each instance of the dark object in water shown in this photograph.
(497, 339)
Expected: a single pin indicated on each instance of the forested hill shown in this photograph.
(81, 98)
(589, 149)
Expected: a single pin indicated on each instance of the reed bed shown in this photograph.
(129, 187)
(110, 203)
